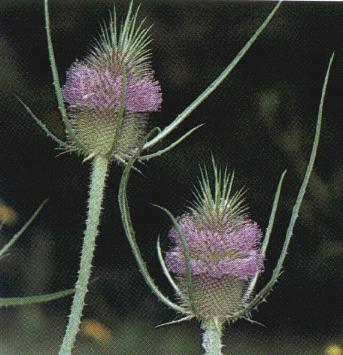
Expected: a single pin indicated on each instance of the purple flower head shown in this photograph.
(234, 251)
(223, 245)
(112, 91)
(95, 88)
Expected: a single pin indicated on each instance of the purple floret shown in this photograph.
(102, 88)
(245, 237)
(234, 251)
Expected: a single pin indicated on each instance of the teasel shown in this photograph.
(223, 245)
(104, 105)
(218, 251)
(112, 91)
(108, 96)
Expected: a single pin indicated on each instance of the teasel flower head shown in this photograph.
(112, 91)
(223, 243)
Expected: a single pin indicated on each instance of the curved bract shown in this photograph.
(131, 236)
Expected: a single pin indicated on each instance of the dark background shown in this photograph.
(259, 122)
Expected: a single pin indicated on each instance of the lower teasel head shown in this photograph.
(224, 250)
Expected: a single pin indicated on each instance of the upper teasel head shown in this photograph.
(112, 91)
(223, 244)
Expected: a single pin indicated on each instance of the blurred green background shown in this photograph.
(259, 122)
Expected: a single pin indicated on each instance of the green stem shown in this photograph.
(96, 194)
(212, 337)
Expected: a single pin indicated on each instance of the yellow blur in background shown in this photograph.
(334, 349)
(93, 329)
(8, 215)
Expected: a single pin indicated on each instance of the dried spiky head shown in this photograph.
(112, 91)
(224, 248)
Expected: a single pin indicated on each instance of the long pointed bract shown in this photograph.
(187, 258)
(56, 82)
(16, 236)
(213, 86)
(171, 146)
(277, 271)
(266, 239)
(42, 125)
(165, 269)
(121, 113)
(23, 301)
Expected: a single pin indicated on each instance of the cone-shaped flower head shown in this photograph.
(111, 92)
(224, 249)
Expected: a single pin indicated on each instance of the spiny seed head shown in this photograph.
(224, 248)
(112, 91)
